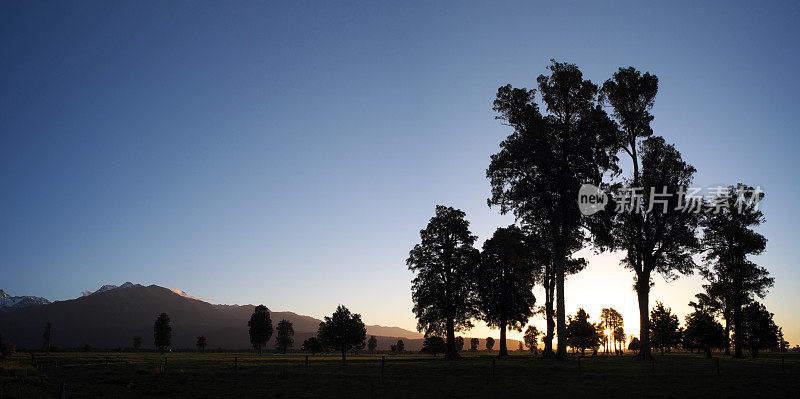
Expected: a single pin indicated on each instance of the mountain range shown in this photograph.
(112, 316)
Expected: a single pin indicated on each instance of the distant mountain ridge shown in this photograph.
(111, 316)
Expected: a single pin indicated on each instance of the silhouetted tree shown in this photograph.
(260, 328)
(653, 225)
(343, 330)
(610, 319)
(312, 345)
(459, 344)
(581, 334)
(635, 345)
(505, 278)
(137, 343)
(284, 335)
(758, 329)
(783, 345)
(372, 343)
(703, 332)
(530, 337)
(489, 343)
(201, 343)
(729, 239)
(663, 328)
(162, 332)
(443, 289)
(393, 348)
(473, 344)
(400, 346)
(46, 337)
(433, 345)
(619, 337)
(541, 166)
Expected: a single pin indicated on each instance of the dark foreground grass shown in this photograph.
(187, 375)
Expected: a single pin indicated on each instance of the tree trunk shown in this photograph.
(727, 335)
(561, 322)
(503, 349)
(737, 326)
(548, 311)
(643, 292)
(451, 340)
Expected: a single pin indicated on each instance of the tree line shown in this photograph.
(555, 148)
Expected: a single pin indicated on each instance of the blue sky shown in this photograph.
(288, 153)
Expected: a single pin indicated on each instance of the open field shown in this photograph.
(189, 375)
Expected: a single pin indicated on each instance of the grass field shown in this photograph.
(188, 375)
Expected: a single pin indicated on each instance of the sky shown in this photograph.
(288, 153)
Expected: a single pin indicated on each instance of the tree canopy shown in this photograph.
(284, 335)
(729, 239)
(505, 278)
(443, 289)
(542, 164)
(162, 332)
(343, 330)
(260, 328)
(664, 333)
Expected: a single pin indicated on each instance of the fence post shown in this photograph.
(106, 361)
(236, 363)
(62, 390)
(306, 362)
(165, 365)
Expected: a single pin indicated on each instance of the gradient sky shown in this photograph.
(288, 153)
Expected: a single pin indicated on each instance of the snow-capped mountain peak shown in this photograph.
(9, 303)
(108, 287)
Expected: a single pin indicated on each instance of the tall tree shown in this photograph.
(505, 278)
(46, 337)
(473, 344)
(758, 329)
(260, 328)
(201, 343)
(372, 343)
(541, 166)
(703, 332)
(284, 335)
(343, 330)
(530, 337)
(729, 239)
(162, 332)
(657, 233)
(443, 289)
(137, 343)
(582, 334)
(400, 346)
(489, 343)
(664, 331)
